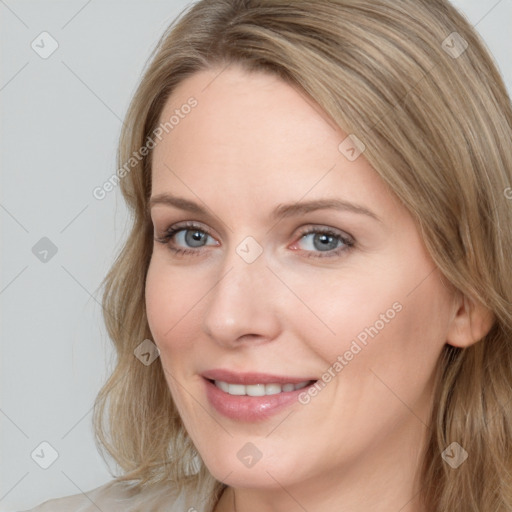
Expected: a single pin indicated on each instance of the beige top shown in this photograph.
(118, 497)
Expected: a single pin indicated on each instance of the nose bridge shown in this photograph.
(241, 301)
(244, 269)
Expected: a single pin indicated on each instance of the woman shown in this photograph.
(313, 308)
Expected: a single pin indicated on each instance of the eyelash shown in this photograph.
(346, 240)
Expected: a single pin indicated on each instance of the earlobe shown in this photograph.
(471, 323)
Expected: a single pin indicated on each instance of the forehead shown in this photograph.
(239, 114)
(253, 136)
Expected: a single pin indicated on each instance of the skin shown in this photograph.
(254, 142)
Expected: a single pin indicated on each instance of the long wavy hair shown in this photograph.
(416, 84)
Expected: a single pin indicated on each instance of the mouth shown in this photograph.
(252, 397)
(259, 389)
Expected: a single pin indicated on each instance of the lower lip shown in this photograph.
(250, 408)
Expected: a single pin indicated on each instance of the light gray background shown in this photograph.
(61, 121)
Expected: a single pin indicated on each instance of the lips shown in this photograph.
(252, 396)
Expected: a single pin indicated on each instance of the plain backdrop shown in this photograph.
(61, 118)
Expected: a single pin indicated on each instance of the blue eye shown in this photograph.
(320, 242)
(190, 234)
(325, 241)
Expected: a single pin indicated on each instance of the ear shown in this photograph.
(472, 321)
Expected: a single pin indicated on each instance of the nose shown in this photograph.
(243, 305)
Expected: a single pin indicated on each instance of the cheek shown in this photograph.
(171, 317)
(338, 307)
(170, 297)
(400, 347)
(393, 322)
(158, 298)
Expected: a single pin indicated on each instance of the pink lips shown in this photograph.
(250, 408)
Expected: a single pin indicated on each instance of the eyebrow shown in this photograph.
(281, 211)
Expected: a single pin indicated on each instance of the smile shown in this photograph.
(259, 389)
(252, 396)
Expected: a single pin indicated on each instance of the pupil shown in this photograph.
(325, 240)
(193, 237)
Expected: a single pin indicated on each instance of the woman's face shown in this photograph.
(277, 289)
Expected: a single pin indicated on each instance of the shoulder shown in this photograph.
(115, 496)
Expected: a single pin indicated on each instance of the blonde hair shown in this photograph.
(437, 125)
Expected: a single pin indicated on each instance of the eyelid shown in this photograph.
(174, 229)
(188, 224)
(305, 230)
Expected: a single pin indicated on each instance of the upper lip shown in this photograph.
(252, 377)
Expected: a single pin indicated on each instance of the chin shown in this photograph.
(246, 466)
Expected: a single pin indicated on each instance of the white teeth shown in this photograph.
(222, 385)
(272, 389)
(255, 389)
(258, 389)
(236, 389)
